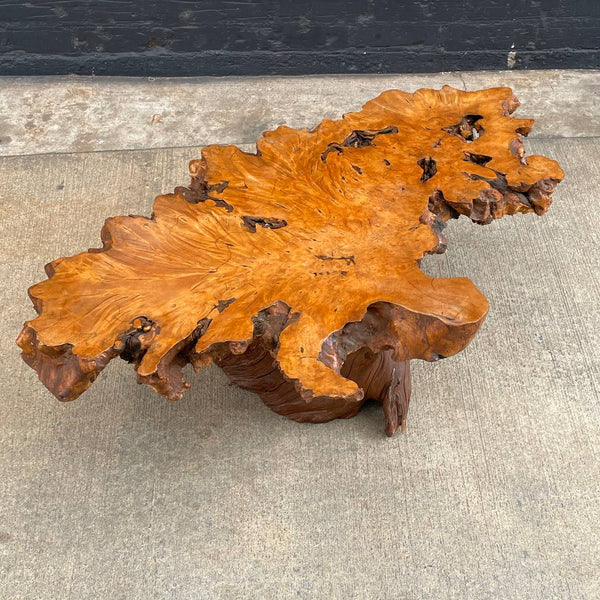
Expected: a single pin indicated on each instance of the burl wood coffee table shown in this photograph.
(296, 269)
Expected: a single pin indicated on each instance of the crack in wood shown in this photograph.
(429, 167)
(349, 259)
(359, 138)
(250, 223)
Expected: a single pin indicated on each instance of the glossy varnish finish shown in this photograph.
(296, 269)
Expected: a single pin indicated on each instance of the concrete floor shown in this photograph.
(492, 492)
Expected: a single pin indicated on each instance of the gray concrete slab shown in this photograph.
(75, 114)
(492, 493)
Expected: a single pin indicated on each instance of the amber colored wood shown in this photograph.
(296, 269)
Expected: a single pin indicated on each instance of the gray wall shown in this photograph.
(211, 37)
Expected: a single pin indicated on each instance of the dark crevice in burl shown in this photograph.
(429, 167)
(478, 159)
(467, 129)
(134, 343)
(250, 223)
(359, 138)
(200, 191)
(221, 305)
(349, 259)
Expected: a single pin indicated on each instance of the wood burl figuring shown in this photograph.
(296, 269)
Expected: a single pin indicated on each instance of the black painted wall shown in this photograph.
(241, 37)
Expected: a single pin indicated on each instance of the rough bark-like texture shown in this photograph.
(296, 269)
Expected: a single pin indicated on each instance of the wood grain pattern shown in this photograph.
(296, 269)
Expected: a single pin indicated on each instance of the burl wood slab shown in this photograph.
(296, 269)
